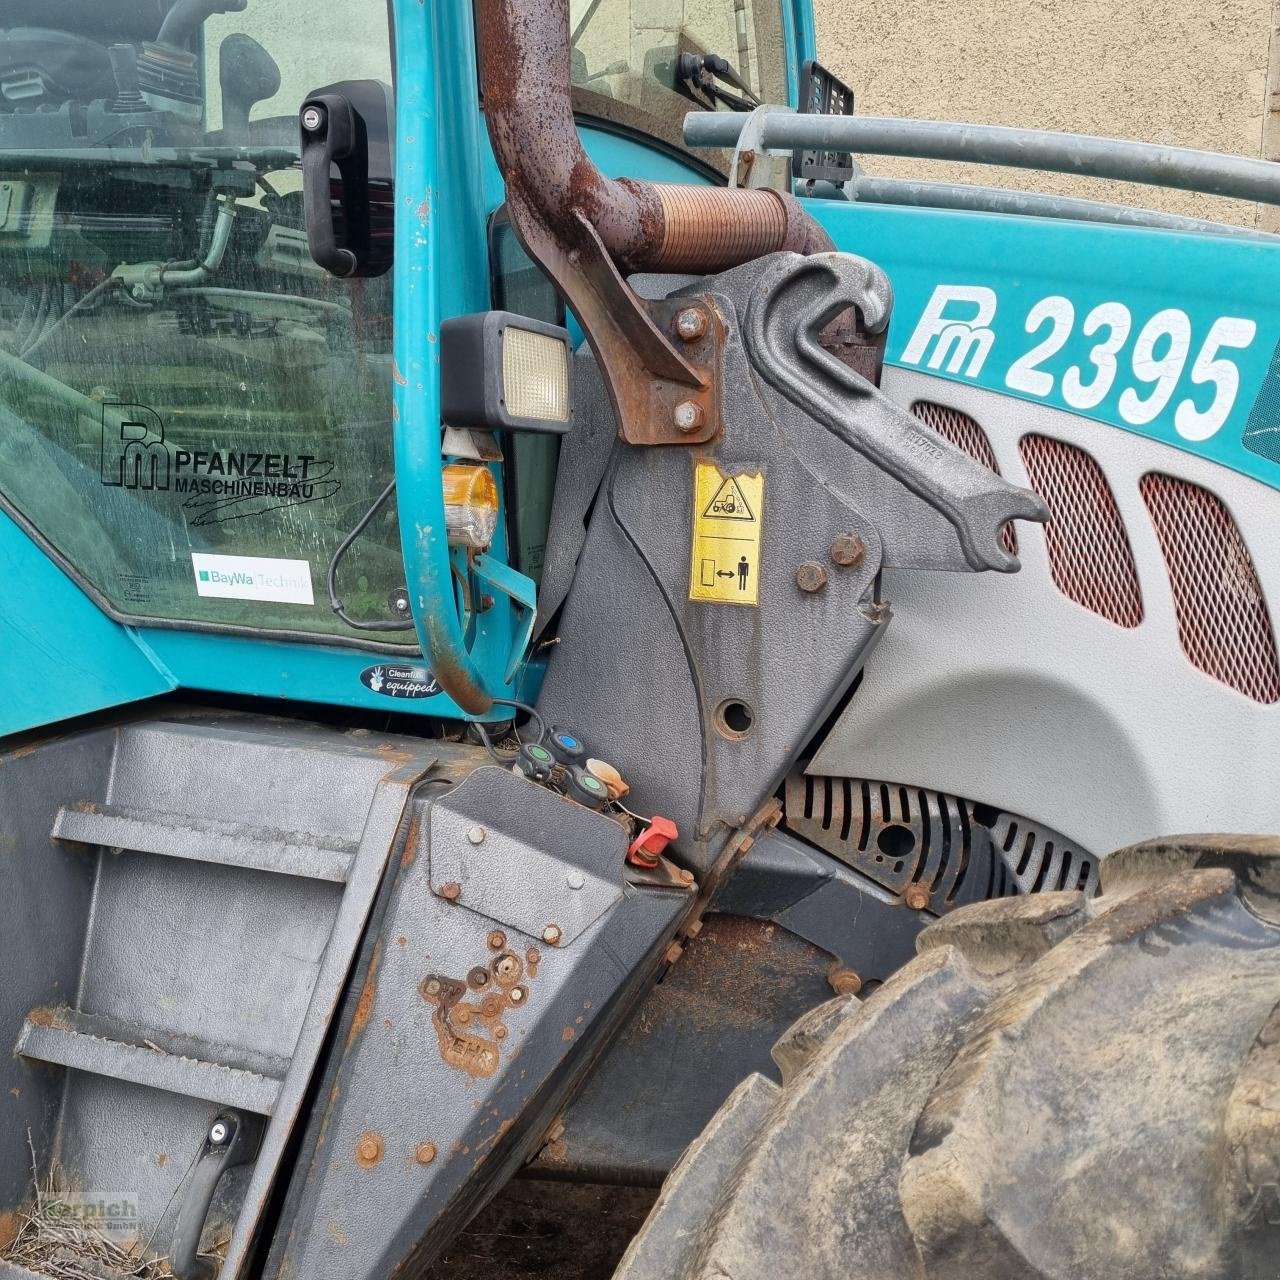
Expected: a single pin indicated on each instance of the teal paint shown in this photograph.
(1006, 273)
(60, 655)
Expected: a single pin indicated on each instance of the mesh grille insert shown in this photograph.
(1089, 553)
(1222, 617)
(963, 431)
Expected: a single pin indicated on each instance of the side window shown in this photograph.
(192, 414)
(625, 59)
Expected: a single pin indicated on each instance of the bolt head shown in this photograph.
(451, 892)
(425, 1152)
(575, 879)
(811, 576)
(687, 417)
(312, 119)
(218, 1133)
(691, 323)
(476, 835)
(844, 982)
(516, 995)
(551, 934)
(369, 1149)
(497, 940)
(848, 550)
(916, 896)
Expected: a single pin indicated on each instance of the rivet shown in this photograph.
(424, 1152)
(687, 417)
(476, 835)
(451, 892)
(551, 934)
(497, 940)
(575, 879)
(811, 576)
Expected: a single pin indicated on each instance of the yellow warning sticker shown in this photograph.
(728, 516)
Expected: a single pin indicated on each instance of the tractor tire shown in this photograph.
(1056, 1087)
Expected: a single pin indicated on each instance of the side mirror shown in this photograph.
(350, 125)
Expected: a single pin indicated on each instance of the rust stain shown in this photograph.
(10, 1225)
(161, 1160)
(370, 1148)
(567, 1034)
(43, 1017)
(470, 1032)
(336, 1235)
(368, 993)
(410, 853)
(402, 941)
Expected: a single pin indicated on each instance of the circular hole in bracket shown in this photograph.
(734, 718)
(896, 842)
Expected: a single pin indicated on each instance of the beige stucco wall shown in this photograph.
(1187, 72)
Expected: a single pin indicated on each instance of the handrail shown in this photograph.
(1181, 168)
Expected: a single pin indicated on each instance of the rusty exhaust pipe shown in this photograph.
(646, 226)
(585, 229)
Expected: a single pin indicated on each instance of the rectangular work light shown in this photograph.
(504, 372)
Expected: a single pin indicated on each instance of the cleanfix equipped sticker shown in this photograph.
(252, 578)
(728, 516)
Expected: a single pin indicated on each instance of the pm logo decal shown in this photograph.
(956, 323)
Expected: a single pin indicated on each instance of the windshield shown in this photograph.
(192, 414)
(628, 68)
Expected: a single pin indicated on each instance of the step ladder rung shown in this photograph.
(231, 844)
(67, 1038)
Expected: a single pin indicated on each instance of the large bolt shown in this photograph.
(691, 324)
(687, 417)
(811, 576)
(844, 982)
(369, 1149)
(848, 550)
(916, 896)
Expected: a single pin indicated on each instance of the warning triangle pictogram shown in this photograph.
(729, 503)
